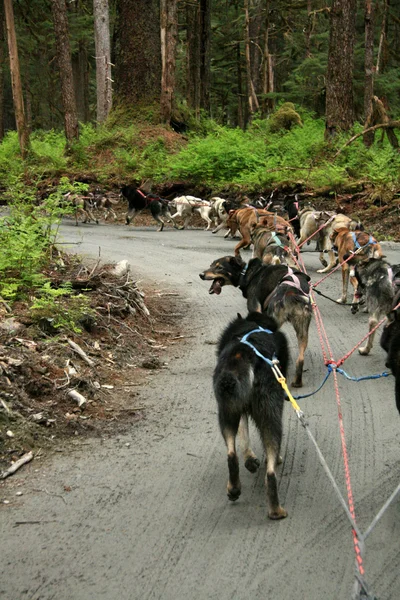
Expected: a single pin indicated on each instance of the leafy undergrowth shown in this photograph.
(126, 335)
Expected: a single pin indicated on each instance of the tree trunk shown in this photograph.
(205, 54)
(23, 133)
(61, 29)
(339, 80)
(138, 52)
(2, 63)
(169, 38)
(251, 94)
(103, 59)
(368, 68)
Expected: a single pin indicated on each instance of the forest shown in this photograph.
(226, 97)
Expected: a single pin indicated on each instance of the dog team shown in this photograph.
(277, 291)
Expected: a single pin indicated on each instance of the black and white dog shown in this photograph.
(245, 386)
(138, 200)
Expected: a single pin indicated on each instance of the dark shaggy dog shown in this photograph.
(138, 200)
(244, 386)
(374, 284)
(390, 342)
(275, 289)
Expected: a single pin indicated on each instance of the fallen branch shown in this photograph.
(390, 125)
(81, 353)
(17, 465)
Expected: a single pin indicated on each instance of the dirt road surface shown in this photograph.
(147, 516)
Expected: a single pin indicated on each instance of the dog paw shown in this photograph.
(341, 300)
(363, 351)
(252, 463)
(278, 513)
(234, 493)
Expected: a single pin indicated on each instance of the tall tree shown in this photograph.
(23, 133)
(169, 38)
(339, 78)
(2, 63)
(103, 58)
(61, 29)
(138, 52)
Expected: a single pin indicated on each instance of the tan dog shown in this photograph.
(363, 246)
(244, 220)
(311, 220)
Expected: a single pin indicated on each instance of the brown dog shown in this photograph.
(244, 220)
(363, 246)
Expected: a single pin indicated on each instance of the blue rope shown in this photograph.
(331, 367)
(377, 376)
(317, 390)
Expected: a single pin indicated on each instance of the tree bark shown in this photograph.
(169, 38)
(63, 51)
(103, 59)
(339, 80)
(138, 52)
(2, 63)
(368, 68)
(23, 133)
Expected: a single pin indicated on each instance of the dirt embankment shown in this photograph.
(116, 345)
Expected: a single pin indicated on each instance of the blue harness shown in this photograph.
(250, 345)
(357, 245)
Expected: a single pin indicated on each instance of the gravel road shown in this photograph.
(147, 516)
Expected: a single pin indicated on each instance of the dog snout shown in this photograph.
(202, 276)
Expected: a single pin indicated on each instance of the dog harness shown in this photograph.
(292, 280)
(357, 245)
(270, 362)
(146, 197)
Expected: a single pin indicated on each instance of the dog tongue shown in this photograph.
(215, 287)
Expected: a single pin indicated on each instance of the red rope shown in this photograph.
(346, 356)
